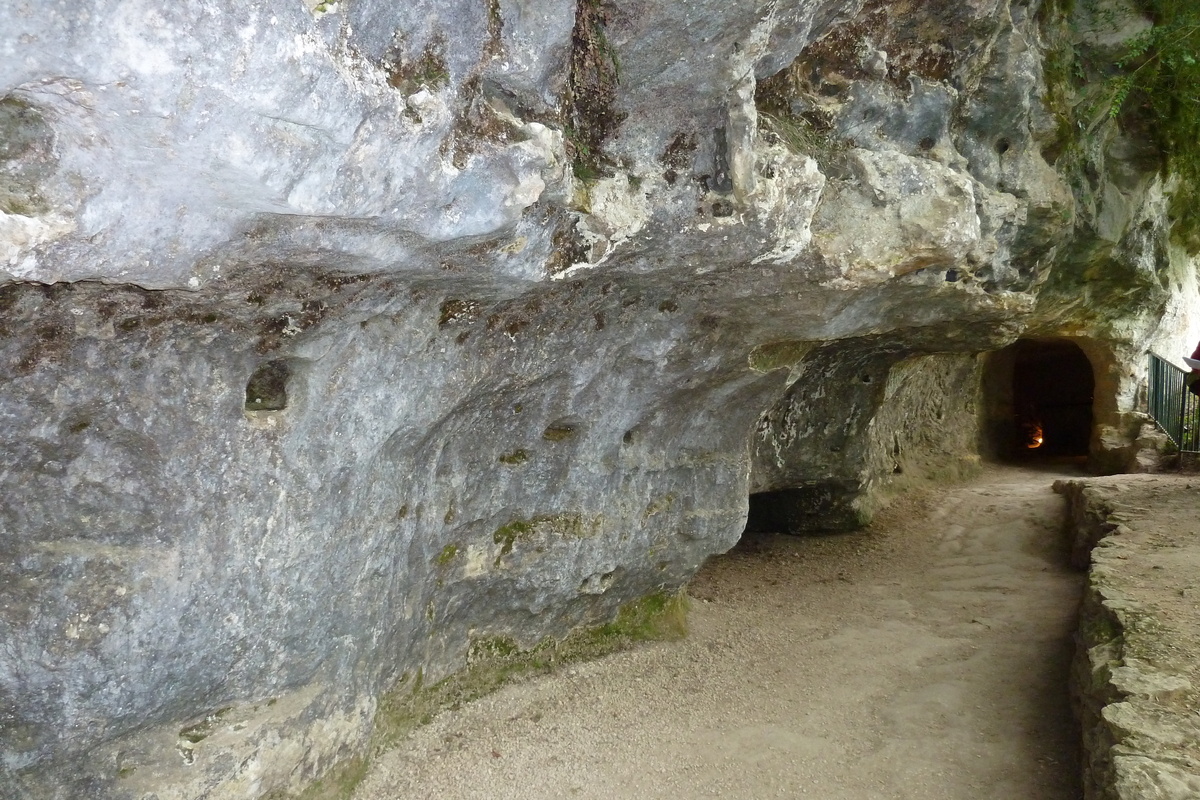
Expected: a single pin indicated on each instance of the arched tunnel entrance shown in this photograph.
(1038, 400)
(854, 421)
(861, 418)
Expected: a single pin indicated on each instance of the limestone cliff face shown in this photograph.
(336, 336)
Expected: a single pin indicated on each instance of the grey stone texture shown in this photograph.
(337, 336)
(1135, 677)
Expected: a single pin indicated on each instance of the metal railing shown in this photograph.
(1172, 406)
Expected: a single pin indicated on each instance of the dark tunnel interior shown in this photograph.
(1037, 404)
(1053, 388)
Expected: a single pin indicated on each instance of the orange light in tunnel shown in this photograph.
(1035, 436)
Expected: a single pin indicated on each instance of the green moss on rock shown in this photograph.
(777, 355)
(447, 556)
(567, 525)
(205, 727)
(515, 458)
(493, 662)
(558, 432)
(337, 784)
(508, 534)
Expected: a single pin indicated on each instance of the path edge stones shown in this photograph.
(1130, 687)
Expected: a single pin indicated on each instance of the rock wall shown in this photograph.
(337, 336)
(824, 460)
(1134, 677)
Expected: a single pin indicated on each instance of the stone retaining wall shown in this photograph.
(1135, 677)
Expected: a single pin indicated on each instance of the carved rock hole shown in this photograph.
(267, 388)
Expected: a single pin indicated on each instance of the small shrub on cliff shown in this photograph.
(591, 110)
(1156, 82)
(1166, 72)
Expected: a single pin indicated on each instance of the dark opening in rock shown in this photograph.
(267, 388)
(1053, 388)
(1040, 395)
(825, 506)
(722, 208)
(561, 430)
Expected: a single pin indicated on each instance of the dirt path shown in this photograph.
(925, 658)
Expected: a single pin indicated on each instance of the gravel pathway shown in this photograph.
(925, 658)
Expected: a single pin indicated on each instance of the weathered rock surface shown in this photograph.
(337, 336)
(819, 457)
(1135, 679)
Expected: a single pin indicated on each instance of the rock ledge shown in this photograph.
(1137, 666)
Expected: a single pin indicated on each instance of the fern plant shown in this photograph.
(1158, 78)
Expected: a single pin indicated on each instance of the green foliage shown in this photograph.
(585, 164)
(1172, 88)
(1156, 82)
(805, 134)
(796, 134)
(802, 137)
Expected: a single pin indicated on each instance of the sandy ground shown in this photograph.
(926, 657)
